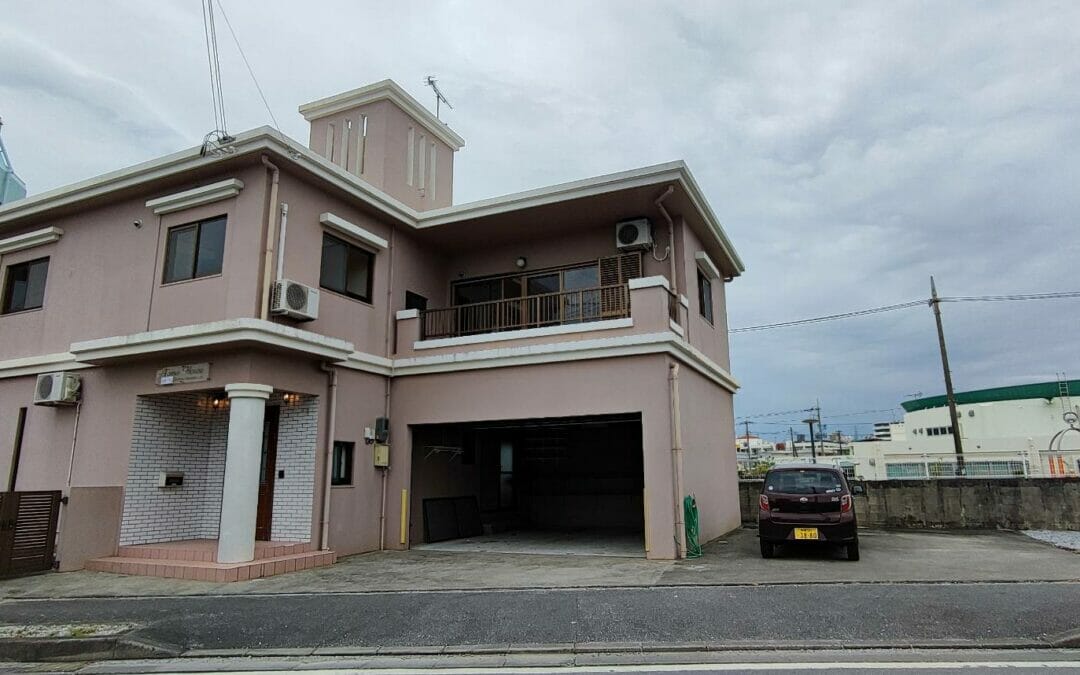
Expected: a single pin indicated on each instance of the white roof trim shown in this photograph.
(379, 91)
(34, 365)
(262, 139)
(706, 265)
(343, 226)
(205, 194)
(212, 334)
(21, 242)
(266, 139)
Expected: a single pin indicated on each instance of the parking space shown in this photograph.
(887, 556)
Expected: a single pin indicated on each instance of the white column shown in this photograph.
(240, 494)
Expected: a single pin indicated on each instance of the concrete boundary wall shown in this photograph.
(956, 503)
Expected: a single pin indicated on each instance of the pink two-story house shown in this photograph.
(251, 358)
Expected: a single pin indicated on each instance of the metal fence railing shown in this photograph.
(534, 311)
(972, 469)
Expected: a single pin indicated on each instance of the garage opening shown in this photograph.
(554, 485)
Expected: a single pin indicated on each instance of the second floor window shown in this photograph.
(24, 287)
(195, 250)
(704, 286)
(346, 269)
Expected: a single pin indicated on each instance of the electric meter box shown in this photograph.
(382, 455)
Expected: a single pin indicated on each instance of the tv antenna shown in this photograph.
(439, 97)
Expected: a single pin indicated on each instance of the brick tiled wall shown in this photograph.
(174, 432)
(297, 436)
(180, 432)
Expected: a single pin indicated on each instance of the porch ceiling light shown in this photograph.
(521, 262)
(218, 399)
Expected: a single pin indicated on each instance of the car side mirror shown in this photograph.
(858, 490)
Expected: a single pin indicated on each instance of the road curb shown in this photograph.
(110, 647)
(513, 650)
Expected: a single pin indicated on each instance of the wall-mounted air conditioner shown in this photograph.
(295, 301)
(631, 235)
(57, 389)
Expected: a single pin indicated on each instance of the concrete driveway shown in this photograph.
(887, 556)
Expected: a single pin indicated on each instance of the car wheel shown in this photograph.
(853, 551)
(767, 549)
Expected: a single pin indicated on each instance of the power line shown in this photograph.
(830, 317)
(251, 71)
(1000, 298)
(906, 305)
(213, 61)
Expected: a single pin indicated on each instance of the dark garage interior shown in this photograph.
(553, 485)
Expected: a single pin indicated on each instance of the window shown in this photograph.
(341, 471)
(415, 301)
(704, 286)
(195, 250)
(346, 269)
(25, 285)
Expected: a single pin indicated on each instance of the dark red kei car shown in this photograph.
(806, 503)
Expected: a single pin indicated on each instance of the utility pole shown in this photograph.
(746, 425)
(794, 450)
(813, 449)
(950, 397)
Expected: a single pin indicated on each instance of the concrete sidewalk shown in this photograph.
(887, 556)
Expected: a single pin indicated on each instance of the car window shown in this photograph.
(803, 482)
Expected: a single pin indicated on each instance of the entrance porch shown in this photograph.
(220, 486)
(196, 559)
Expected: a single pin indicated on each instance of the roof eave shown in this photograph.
(659, 174)
(262, 139)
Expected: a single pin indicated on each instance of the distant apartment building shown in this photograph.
(11, 186)
(254, 359)
(1022, 430)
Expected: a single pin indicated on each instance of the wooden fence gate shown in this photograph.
(27, 531)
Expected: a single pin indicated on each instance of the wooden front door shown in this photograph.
(267, 473)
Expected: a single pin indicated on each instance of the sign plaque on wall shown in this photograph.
(192, 372)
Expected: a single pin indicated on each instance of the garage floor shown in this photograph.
(601, 543)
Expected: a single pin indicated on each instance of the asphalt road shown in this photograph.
(838, 614)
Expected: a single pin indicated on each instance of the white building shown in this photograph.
(1006, 431)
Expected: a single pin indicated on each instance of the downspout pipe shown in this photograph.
(390, 314)
(677, 461)
(671, 236)
(270, 231)
(280, 273)
(331, 423)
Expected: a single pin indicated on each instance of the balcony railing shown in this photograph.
(534, 311)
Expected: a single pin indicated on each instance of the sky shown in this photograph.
(850, 150)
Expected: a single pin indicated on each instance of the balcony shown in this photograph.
(535, 311)
(637, 307)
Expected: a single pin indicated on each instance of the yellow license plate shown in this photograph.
(806, 533)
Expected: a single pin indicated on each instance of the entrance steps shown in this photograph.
(195, 559)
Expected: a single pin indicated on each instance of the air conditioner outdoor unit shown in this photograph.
(57, 389)
(631, 235)
(295, 301)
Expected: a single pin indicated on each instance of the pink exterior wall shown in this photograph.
(105, 275)
(711, 339)
(385, 157)
(415, 268)
(710, 471)
(550, 390)
(104, 440)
